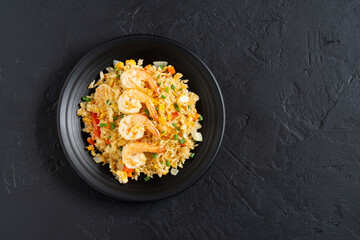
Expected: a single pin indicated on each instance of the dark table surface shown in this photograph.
(289, 165)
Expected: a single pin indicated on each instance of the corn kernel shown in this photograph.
(130, 62)
(119, 65)
(161, 120)
(161, 107)
(90, 148)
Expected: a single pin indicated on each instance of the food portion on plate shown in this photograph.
(141, 120)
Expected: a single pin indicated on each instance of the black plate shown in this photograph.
(150, 48)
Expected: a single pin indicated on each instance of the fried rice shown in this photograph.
(177, 120)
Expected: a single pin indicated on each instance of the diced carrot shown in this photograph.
(174, 115)
(90, 141)
(128, 171)
(171, 70)
(196, 117)
(108, 141)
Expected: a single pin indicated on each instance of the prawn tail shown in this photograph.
(161, 149)
(153, 85)
(151, 127)
(150, 106)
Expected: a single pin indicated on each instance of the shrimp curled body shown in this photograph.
(132, 127)
(133, 153)
(102, 93)
(130, 102)
(132, 78)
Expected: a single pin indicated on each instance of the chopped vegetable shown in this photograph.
(177, 107)
(180, 89)
(160, 63)
(86, 99)
(156, 108)
(161, 120)
(161, 162)
(107, 101)
(103, 125)
(118, 76)
(172, 87)
(174, 115)
(112, 124)
(95, 123)
(189, 106)
(117, 69)
(171, 70)
(196, 135)
(118, 64)
(167, 89)
(98, 159)
(130, 62)
(120, 148)
(154, 155)
(182, 141)
(114, 118)
(109, 137)
(201, 118)
(159, 83)
(159, 78)
(146, 112)
(150, 118)
(196, 117)
(175, 137)
(90, 141)
(128, 171)
(192, 155)
(167, 163)
(162, 96)
(122, 116)
(174, 171)
(147, 178)
(161, 66)
(162, 132)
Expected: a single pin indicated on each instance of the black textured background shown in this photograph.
(289, 166)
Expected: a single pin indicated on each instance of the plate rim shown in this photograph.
(58, 117)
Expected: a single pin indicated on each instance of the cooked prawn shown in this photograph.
(132, 78)
(133, 153)
(102, 93)
(130, 102)
(132, 127)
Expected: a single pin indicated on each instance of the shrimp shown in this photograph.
(133, 153)
(102, 94)
(132, 127)
(132, 78)
(130, 102)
